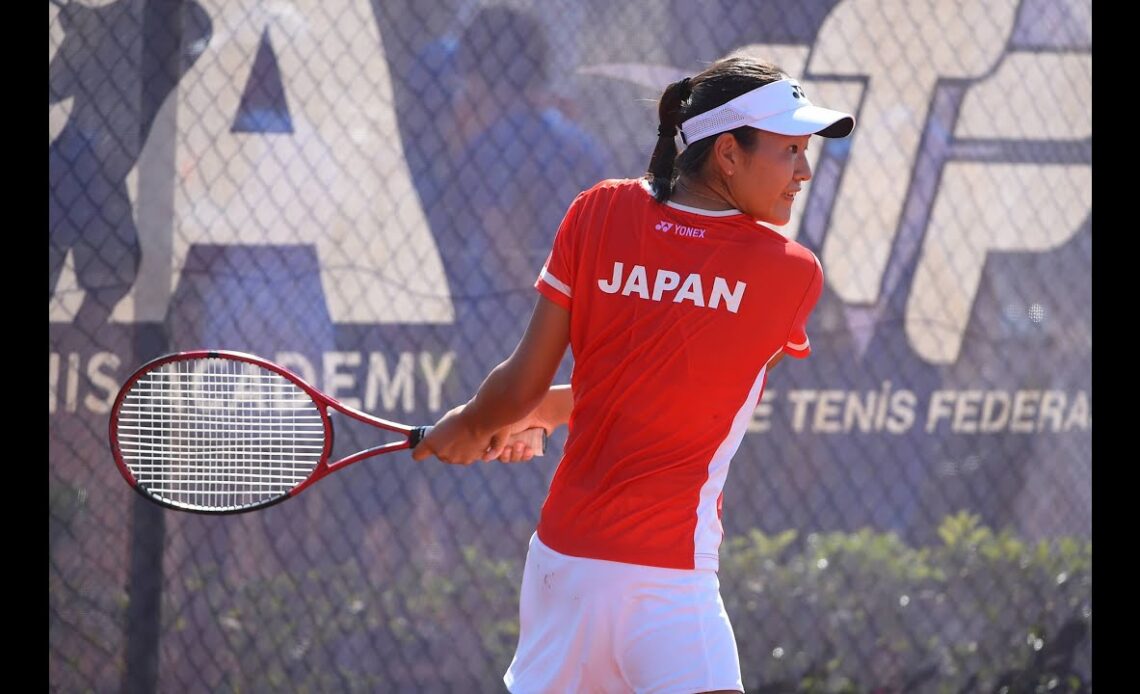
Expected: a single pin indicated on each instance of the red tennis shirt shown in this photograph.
(674, 315)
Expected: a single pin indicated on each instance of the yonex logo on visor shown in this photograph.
(778, 107)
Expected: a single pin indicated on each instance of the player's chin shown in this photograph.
(778, 216)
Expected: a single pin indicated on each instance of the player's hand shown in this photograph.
(519, 451)
(454, 441)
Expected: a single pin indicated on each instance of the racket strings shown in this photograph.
(219, 434)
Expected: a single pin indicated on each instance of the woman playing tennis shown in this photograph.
(676, 300)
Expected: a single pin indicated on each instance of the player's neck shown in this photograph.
(698, 196)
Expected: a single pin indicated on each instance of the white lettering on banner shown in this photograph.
(963, 44)
(1027, 411)
(966, 415)
(340, 182)
(392, 387)
(435, 374)
(841, 412)
(941, 407)
(995, 411)
(979, 207)
(827, 411)
(1024, 411)
(100, 373)
(1007, 104)
(801, 400)
(72, 381)
(385, 389)
(391, 382)
(1053, 409)
(969, 411)
(335, 380)
(901, 415)
(1079, 415)
(667, 281)
(53, 381)
(102, 381)
(982, 208)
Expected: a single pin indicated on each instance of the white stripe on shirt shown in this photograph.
(553, 281)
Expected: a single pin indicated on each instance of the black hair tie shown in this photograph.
(666, 131)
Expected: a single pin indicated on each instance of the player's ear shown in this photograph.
(726, 154)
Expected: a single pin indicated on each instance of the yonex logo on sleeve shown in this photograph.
(663, 226)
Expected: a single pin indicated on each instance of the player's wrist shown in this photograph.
(544, 421)
(468, 419)
(554, 410)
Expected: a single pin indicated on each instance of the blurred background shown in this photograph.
(366, 191)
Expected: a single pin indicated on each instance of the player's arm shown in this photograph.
(551, 413)
(513, 391)
(775, 360)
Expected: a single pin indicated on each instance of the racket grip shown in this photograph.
(417, 435)
(534, 437)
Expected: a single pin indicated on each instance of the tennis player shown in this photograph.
(677, 299)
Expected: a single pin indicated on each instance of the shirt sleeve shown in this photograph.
(798, 344)
(557, 275)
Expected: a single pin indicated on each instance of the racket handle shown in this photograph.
(417, 435)
(534, 437)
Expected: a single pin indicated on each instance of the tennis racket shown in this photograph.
(226, 432)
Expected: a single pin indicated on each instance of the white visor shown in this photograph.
(777, 107)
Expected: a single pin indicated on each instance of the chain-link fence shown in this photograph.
(365, 192)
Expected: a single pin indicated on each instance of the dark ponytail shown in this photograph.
(669, 111)
(721, 82)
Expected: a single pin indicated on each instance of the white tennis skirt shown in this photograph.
(590, 625)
